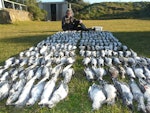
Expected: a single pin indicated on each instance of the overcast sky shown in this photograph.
(97, 1)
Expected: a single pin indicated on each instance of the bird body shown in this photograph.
(24, 96)
(93, 62)
(86, 61)
(147, 72)
(47, 91)
(111, 93)
(125, 93)
(4, 90)
(122, 72)
(139, 73)
(100, 61)
(15, 92)
(89, 74)
(99, 72)
(36, 91)
(146, 91)
(137, 95)
(97, 96)
(114, 72)
(130, 72)
(67, 73)
(58, 95)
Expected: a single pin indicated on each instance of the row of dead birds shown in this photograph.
(33, 75)
(40, 74)
(115, 62)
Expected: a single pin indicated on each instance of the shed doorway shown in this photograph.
(53, 12)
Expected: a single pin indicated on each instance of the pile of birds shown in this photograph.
(40, 74)
(105, 57)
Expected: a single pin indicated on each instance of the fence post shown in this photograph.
(13, 5)
(3, 5)
(20, 7)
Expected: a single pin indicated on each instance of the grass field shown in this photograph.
(19, 36)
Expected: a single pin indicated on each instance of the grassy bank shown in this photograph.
(17, 37)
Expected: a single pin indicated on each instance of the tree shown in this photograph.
(33, 8)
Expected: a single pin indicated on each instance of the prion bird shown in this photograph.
(122, 72)
(113, 72)
(137, 95)
(86, 61)
(146, 72)
(146, 88)
(5, 76)
(139, 72)
(9, 62)
(124, 92)
(30, 74)
(100, 61)
(4, 90)
(109, 91)
(94, 62)
(58, 95)
(108, 61)
(67, 74)
(130, 72)
(99, 72)
(37, 91)
(24, 96)
(89, 74)
(57, 69)
(48, 90)
(116, 61)
(15, 91)
(97, 96)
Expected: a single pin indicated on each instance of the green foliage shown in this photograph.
(38, 14)
(33, 8)
(113, 10)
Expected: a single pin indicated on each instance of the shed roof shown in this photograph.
(52, 1)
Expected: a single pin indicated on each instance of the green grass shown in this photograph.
(17, 37)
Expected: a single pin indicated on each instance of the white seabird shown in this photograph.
(58, 95)
(37, 91)
(97, 96)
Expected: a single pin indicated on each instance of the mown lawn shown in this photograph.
(19, 36)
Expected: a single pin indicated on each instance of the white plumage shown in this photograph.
(99, 72)
(4, 90)
(137, 95)
(111, 93)
(36, 91)
(89, 74)
(24, 96)
(48, 89)
(130, 72)
(86, 61)
(58, 95)
(139, 73)
(97, 96)
(15, 92)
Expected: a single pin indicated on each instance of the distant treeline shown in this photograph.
(111, 10)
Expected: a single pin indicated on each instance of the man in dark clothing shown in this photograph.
(71, 23)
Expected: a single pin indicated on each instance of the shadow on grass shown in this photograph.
(138, 41)
(48, 31)
(24, 39)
